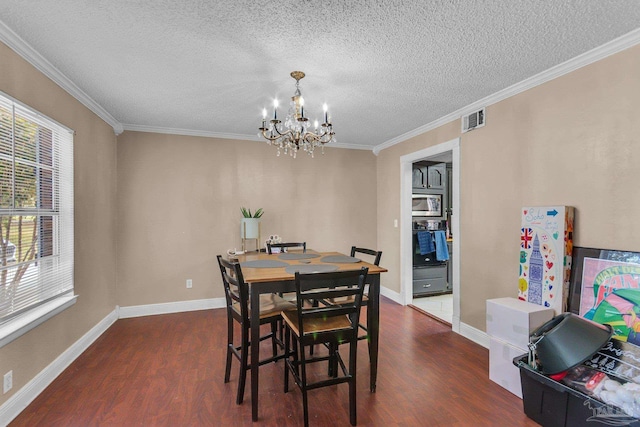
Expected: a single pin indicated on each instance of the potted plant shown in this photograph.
(250, 223)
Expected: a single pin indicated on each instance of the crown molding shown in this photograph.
(188, 132)
(623, 42)
(208, 134)
(22, 48)
(350, 146)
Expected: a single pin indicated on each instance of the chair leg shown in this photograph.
(244, 356)
(352, 381)
(333, 360)
(227, 369)
(296, 355)
(287, 353)
(274, 346)
(303, 381)
(305, 407)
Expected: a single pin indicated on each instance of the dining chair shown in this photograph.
(330, 325)
(289, 296)
(302, 245)
(236, 293)
(365, 299)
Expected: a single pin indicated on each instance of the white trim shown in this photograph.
(406, 259)
(22, 48)
(37, 113)
(350, 146)
(209, 134)
(476, 335)
(392, 295)
(617, 45)
(23, 397)
(170, 307)
(188, 132)
(23, 323)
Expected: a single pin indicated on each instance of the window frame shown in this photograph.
(53, 271)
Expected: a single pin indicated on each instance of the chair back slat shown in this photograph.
(311, 286)
(302, 245)
(325, 312)
(335, 291)
(376, 254)
(235, 288)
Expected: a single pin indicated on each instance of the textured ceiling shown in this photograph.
(384, 68)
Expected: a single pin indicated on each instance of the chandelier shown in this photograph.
(296, 132)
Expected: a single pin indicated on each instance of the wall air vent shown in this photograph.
(473, 120)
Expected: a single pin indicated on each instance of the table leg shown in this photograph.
(255, 349)
(373, 326)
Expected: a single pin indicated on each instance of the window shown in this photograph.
(36, 211)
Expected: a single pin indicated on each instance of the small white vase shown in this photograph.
(249, 228)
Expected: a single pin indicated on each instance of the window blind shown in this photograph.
(36, 209)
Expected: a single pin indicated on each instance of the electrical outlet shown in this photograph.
(189, 283)
(8, 382)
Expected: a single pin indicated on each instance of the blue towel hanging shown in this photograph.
(425, 242)
(442, 251)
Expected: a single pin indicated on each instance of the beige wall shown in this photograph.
(95, 191)
(179, 200)
(572, 141)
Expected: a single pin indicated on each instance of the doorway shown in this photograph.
(447, 150)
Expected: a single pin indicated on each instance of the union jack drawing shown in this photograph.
(525, 238)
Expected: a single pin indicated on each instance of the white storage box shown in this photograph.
(501, 368)
(513, 320)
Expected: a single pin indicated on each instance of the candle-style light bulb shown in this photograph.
(275, 109)
(264, 118)
(315, 124)
(301, 106)
(325, 108)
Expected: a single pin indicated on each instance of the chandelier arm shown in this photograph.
(319, 137)
(275, 137)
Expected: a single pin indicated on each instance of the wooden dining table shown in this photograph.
(265, 280)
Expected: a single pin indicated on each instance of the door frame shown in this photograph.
(406, 259)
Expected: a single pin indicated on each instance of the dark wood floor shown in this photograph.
(168, 370)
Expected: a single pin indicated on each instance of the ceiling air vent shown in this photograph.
(473, 120)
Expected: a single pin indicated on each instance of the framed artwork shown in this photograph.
(605, 288)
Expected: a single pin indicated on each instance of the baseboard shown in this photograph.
(19, 401)
(170, 307)
(23, 397)
(392, 295)
(469, 332)
(475, 335)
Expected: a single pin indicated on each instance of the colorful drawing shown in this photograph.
(545, 256)
(611, 295)
(525, 237)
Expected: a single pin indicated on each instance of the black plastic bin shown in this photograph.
(551, 404)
